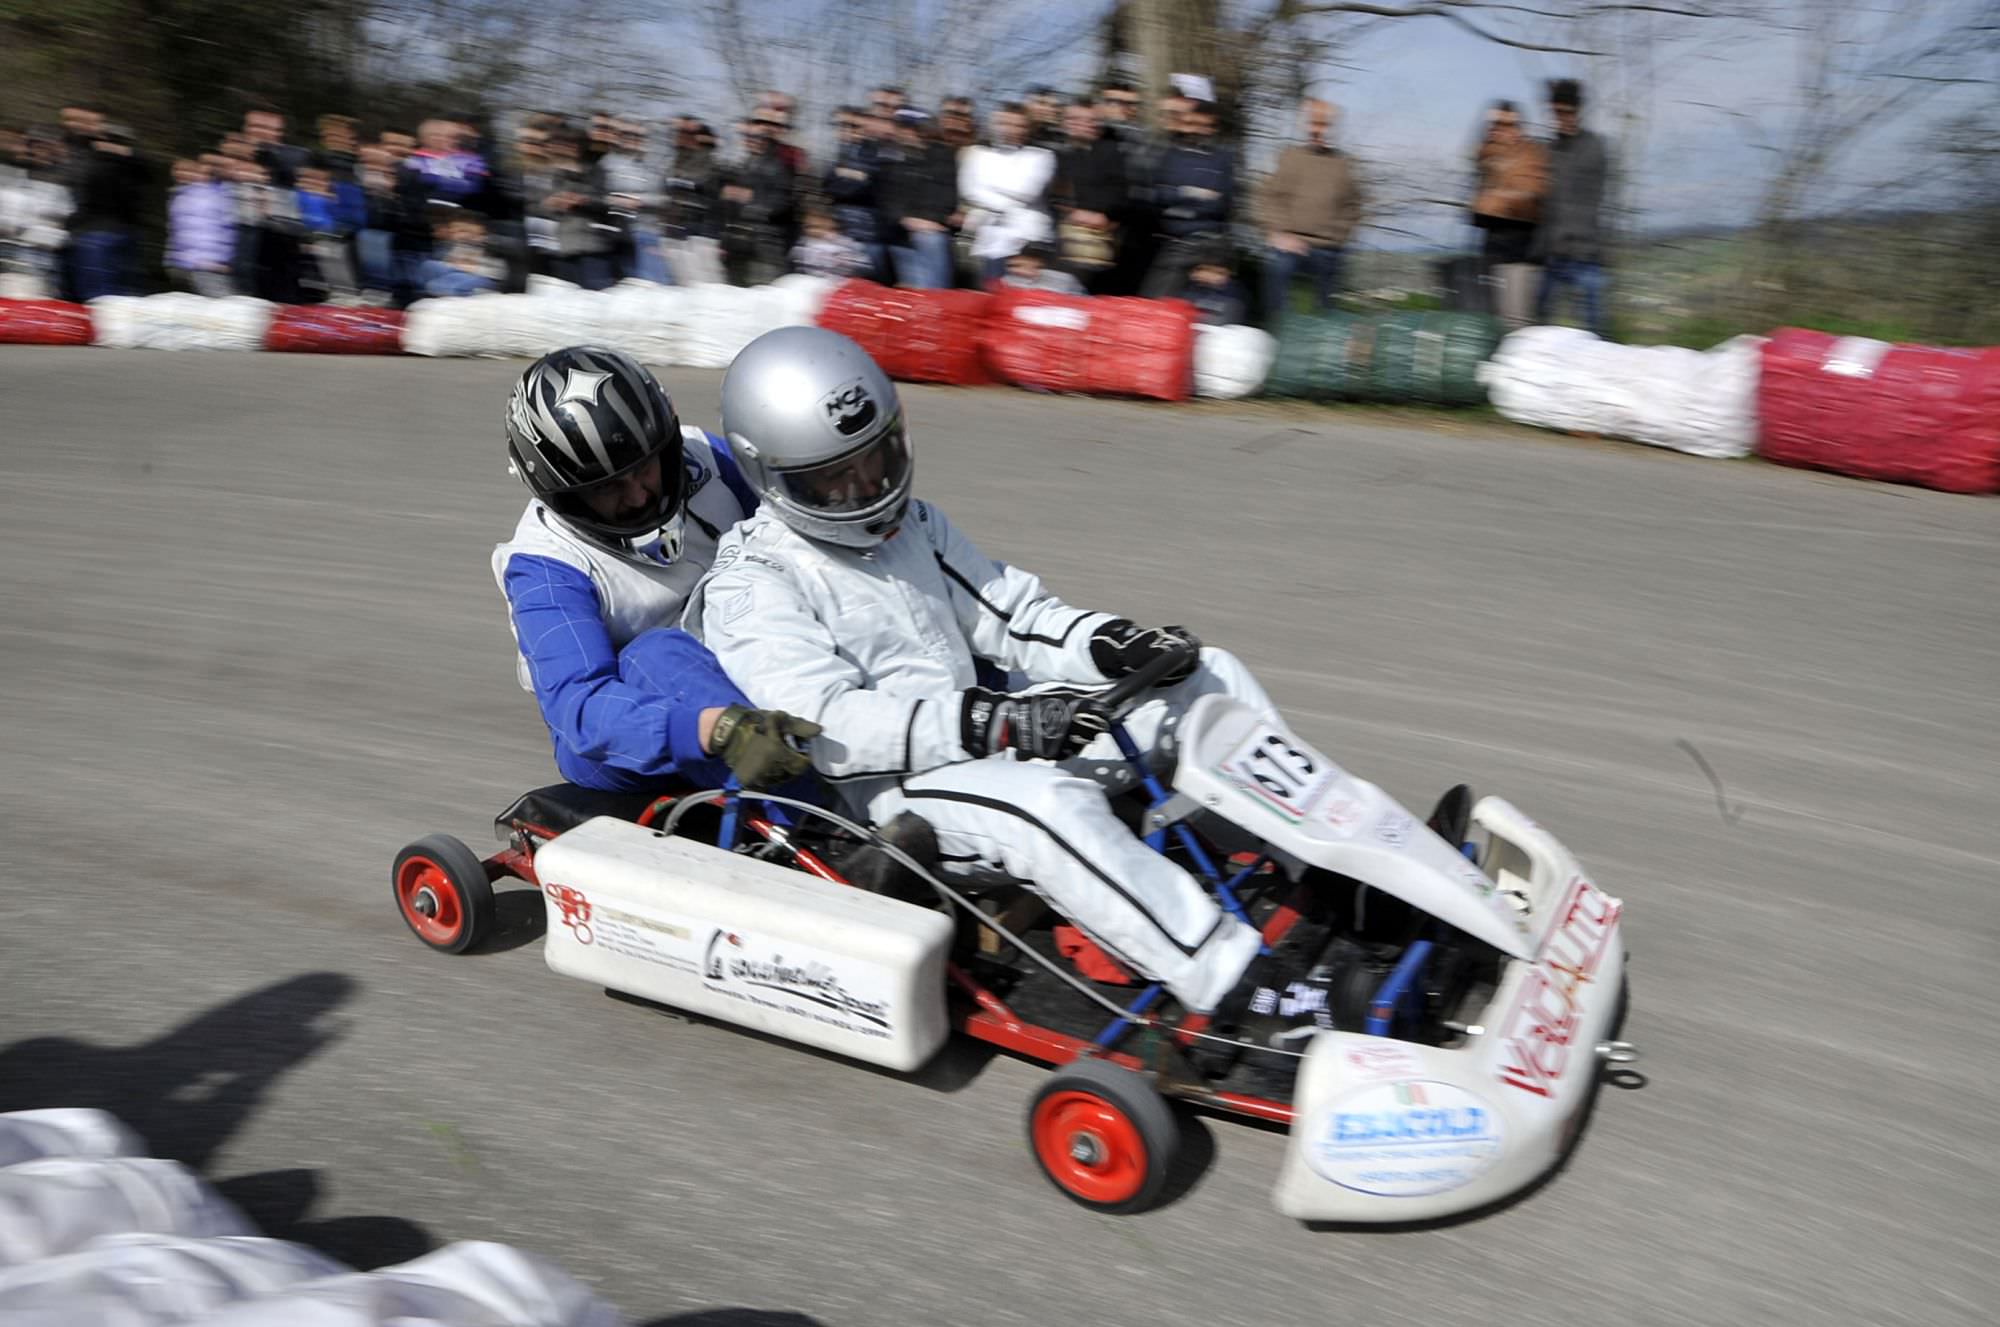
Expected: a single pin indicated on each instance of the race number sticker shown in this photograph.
(1286, 778)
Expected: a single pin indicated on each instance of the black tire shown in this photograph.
(1103, 1136)
(442, 893)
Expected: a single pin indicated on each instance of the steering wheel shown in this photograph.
(1126, 694)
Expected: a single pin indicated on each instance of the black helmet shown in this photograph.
(583, 415)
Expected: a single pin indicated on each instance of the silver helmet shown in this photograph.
(818, 430)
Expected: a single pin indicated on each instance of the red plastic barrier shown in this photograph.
(1104, 346)
(43, 322)
(915, 335)
(319, 329)
(1909, 414)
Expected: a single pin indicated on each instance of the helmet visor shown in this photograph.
(855, 483)
(640, 499)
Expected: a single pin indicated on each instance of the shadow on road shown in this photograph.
(518, 919)
(734, 1318)
(187, 1093)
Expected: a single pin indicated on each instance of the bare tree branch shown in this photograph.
(1449, 13)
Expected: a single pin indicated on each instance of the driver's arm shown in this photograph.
(573, 668)
(1007, 614)
(765, 630)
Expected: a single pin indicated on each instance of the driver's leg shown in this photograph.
(1055, 832)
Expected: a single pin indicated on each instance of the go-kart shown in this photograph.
(1466, 978)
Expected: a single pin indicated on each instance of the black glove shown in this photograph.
(762, 748)
(1045, 725)
(1120, 648)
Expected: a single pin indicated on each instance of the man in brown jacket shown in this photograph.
(1311, 204)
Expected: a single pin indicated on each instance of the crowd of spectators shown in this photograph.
(1080, 193)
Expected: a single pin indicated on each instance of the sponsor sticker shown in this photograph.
(1385, 1061)
(1046, 315)
(1404, 1139)
(794, 980)
(643, 936)
(1341, 814)
(1394, 829)
(1539, 1033)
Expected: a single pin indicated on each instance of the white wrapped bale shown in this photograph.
(153, 1280)
(179, 322)
(1232, 362)
(464, 1285)
(701, 326)
(1700, 402)
(29, 1135)
(59, 1204)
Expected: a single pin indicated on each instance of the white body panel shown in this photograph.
(1387, 1130)
(738, 939)
(1335, 821)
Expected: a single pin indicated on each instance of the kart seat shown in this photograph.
(560, 807)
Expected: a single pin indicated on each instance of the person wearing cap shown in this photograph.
(920, 201)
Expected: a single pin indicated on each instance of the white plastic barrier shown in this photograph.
(91, 1239)
(179, 322)
(688, 326)
(463, 1285)
(59, 1204)
(1232, 362)
(135, 1279)
(28, 1135)
(1696, 401)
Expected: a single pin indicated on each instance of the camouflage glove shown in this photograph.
(762, 748)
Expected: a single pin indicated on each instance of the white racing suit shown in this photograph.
(877, 646)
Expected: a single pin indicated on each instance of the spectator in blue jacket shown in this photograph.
(330, 213)
(626, 510)
(1194, 189)
(853, 183)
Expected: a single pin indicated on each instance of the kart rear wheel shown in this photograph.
(443, 894)
(1103, 1136)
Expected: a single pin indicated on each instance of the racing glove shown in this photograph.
(1045, 725)
(1121, 648)
(763, 748)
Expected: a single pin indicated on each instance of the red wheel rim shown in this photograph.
(1090, 1147)
(419, 879)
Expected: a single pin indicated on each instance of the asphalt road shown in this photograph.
(250, 644)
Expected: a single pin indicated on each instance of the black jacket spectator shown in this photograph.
(692, 191)
(756, 231)
(921, 184)
(853, 186)
(1195, 189)
(1091, 177)
(110, 188)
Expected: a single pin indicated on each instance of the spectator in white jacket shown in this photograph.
(33, 210)
(1004, 189)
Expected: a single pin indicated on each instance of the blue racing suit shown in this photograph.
(619, 684)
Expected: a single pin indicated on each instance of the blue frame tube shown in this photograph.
(1116, 1028)
(1185, 836)
(1401, 980)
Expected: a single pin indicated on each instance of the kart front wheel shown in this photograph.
(443, 893)
(1103, 1136)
